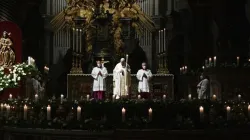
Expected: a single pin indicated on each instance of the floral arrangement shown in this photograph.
(91, 11)
(9, 78)
(103, 115)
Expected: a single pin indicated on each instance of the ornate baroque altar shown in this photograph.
(80, 85)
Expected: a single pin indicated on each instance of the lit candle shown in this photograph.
(214, 97)
(73, 39)
(87, 97)
(214, 61)
(25, 110)
(10, 96)
(201, 113)
(150, 113)
(239, 97)
(123, 114)
(210, 62)
(180, 70)
(7, 110)
(79, 112)
(62, 97)
(139, 97)
(48, 113)
(2, 107)
(164, 97)
(14, 76)
(238, 60)
(80, 40)
(36, 97)
(113, 97)
(29, 60)
(189, 96)
(185, 67)
(248, 110)
(228, 113)
(203, 67)
(164, 36)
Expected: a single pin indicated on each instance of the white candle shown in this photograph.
(214, 61)
(79, 112)
(185, 67)
(201, 113)
(164, 97)
(203, 67)
(25, 112)
(139, 97)
(2, 107)
(159, 48)
(150, 114)
(239, 97)
(36, 97)
(162, 40)
(214, 97)
(123, 114)
(164, 36)
(228, 113)
(248, 110)
(80, 40)
(14, 76)
(189, 96)
(62, 97)
(48, 113)
(10, 96)
(29, 60)
(87, 97)
(113, 98)
(7, 110)
(238, 60)
(210, 62)
(73, 31)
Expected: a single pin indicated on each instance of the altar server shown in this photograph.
(122, 79)
(144, 75)
(203, 88)
(99, 74)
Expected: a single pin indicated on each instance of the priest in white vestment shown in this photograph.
(144, 76)
(121, 79)
(203, 88)
(99, 74)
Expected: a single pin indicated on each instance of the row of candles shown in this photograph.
(212, 62)
(214, 97)
(183, 70)
(162, 41)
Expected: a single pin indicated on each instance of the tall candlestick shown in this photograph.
(10, 96)
(29, 60)
(189, 97)
(36, 97)
(150, 114)
(210, 62)
(80, 40)
(228, 113)
(25, 110)
(201, 113)
(73, 39)
(238, 60)
(62, 97)
(79, 112)
(214, 61)
(77, 40)
(123, 114)
(48, 113)
(164, 38)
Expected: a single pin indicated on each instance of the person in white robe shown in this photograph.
(144, 76)
(203, 88)
(99, 74)
(121, 79)
(37, 87)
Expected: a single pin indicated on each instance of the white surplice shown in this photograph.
(122, 82)
(143, 85)
(99, 83)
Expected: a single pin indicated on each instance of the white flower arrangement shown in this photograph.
(9, 78)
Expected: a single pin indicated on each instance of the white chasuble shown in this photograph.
(99, 83)
(143, 85)
(122, 80)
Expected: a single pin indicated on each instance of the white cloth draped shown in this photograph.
(99, 83)
(121, 82)
(143, 85)
(203, 89)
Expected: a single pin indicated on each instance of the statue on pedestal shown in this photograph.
(7, 55)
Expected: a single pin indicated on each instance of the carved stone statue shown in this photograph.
(7, 55)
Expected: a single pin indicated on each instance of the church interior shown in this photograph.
(124, 69)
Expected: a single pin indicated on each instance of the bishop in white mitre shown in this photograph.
(121, 79)
(144, 76)
(99, 73)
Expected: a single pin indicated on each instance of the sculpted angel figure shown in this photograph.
(7, 55)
